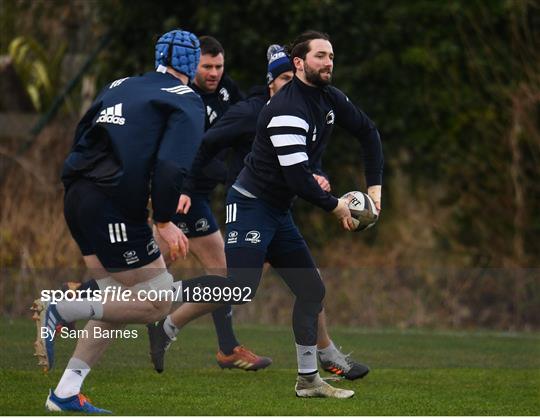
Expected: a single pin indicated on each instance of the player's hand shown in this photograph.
(184, 203)
(375, 193)
(343, 213)
(323, 182)
(175, 239)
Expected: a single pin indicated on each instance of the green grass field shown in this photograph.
(413, 373)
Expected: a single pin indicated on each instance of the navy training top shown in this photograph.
(139, 138)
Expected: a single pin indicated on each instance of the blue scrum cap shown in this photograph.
(180, 50)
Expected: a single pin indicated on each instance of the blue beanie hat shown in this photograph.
(180, 50)
(278, 62)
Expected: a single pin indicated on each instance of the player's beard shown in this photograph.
(314, 76)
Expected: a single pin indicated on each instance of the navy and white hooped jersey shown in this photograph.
(293, 131)
(236, 131)
(140, 136)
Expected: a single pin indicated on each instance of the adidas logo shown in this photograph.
(116, 83)
(178, 89)
(212, 115)
(112, 114)
(243, 364)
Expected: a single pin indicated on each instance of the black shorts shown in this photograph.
(199, 221)
(253, 223)
(101, 229)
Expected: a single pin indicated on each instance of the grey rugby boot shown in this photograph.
(343, 365)
(314, 387)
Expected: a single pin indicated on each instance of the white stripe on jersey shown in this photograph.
(288, 139)
(288, 121)
(179, 88)
(291, 159)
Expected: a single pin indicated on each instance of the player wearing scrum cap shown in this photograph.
(236, 131)
(137, 140)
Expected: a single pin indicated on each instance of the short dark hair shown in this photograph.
(210, 45)
(300, 46)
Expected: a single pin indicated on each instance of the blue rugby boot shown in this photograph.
(75, 403)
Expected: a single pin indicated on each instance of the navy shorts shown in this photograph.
(102, 229)
(253, 223)
(200, 220)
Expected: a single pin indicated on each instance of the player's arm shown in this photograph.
(85, 125)
(86, 122)
(175, 155)
(316, 167)
(359, 125)
(236, 125)
(177, 150)
(322, 178)
(234, 91)
(216, 169)
(287, 134)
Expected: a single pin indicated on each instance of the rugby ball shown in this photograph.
(363, 210)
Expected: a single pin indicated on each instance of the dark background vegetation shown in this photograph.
(453, 86)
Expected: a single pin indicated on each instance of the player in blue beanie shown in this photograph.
(278, 62)
(218, 92)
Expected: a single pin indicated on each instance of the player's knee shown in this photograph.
(247, 289)
(158, 291)
(159, 310)
(315, 292)
(247, 294)
(321, 291)
(240, 288)
(310, 308)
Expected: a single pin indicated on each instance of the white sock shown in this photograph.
(106, 282)
(177, 286)
(75, 310)
(170, 329)
(307, 358)
(72, 379)
(328, 352)
(314, 378)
